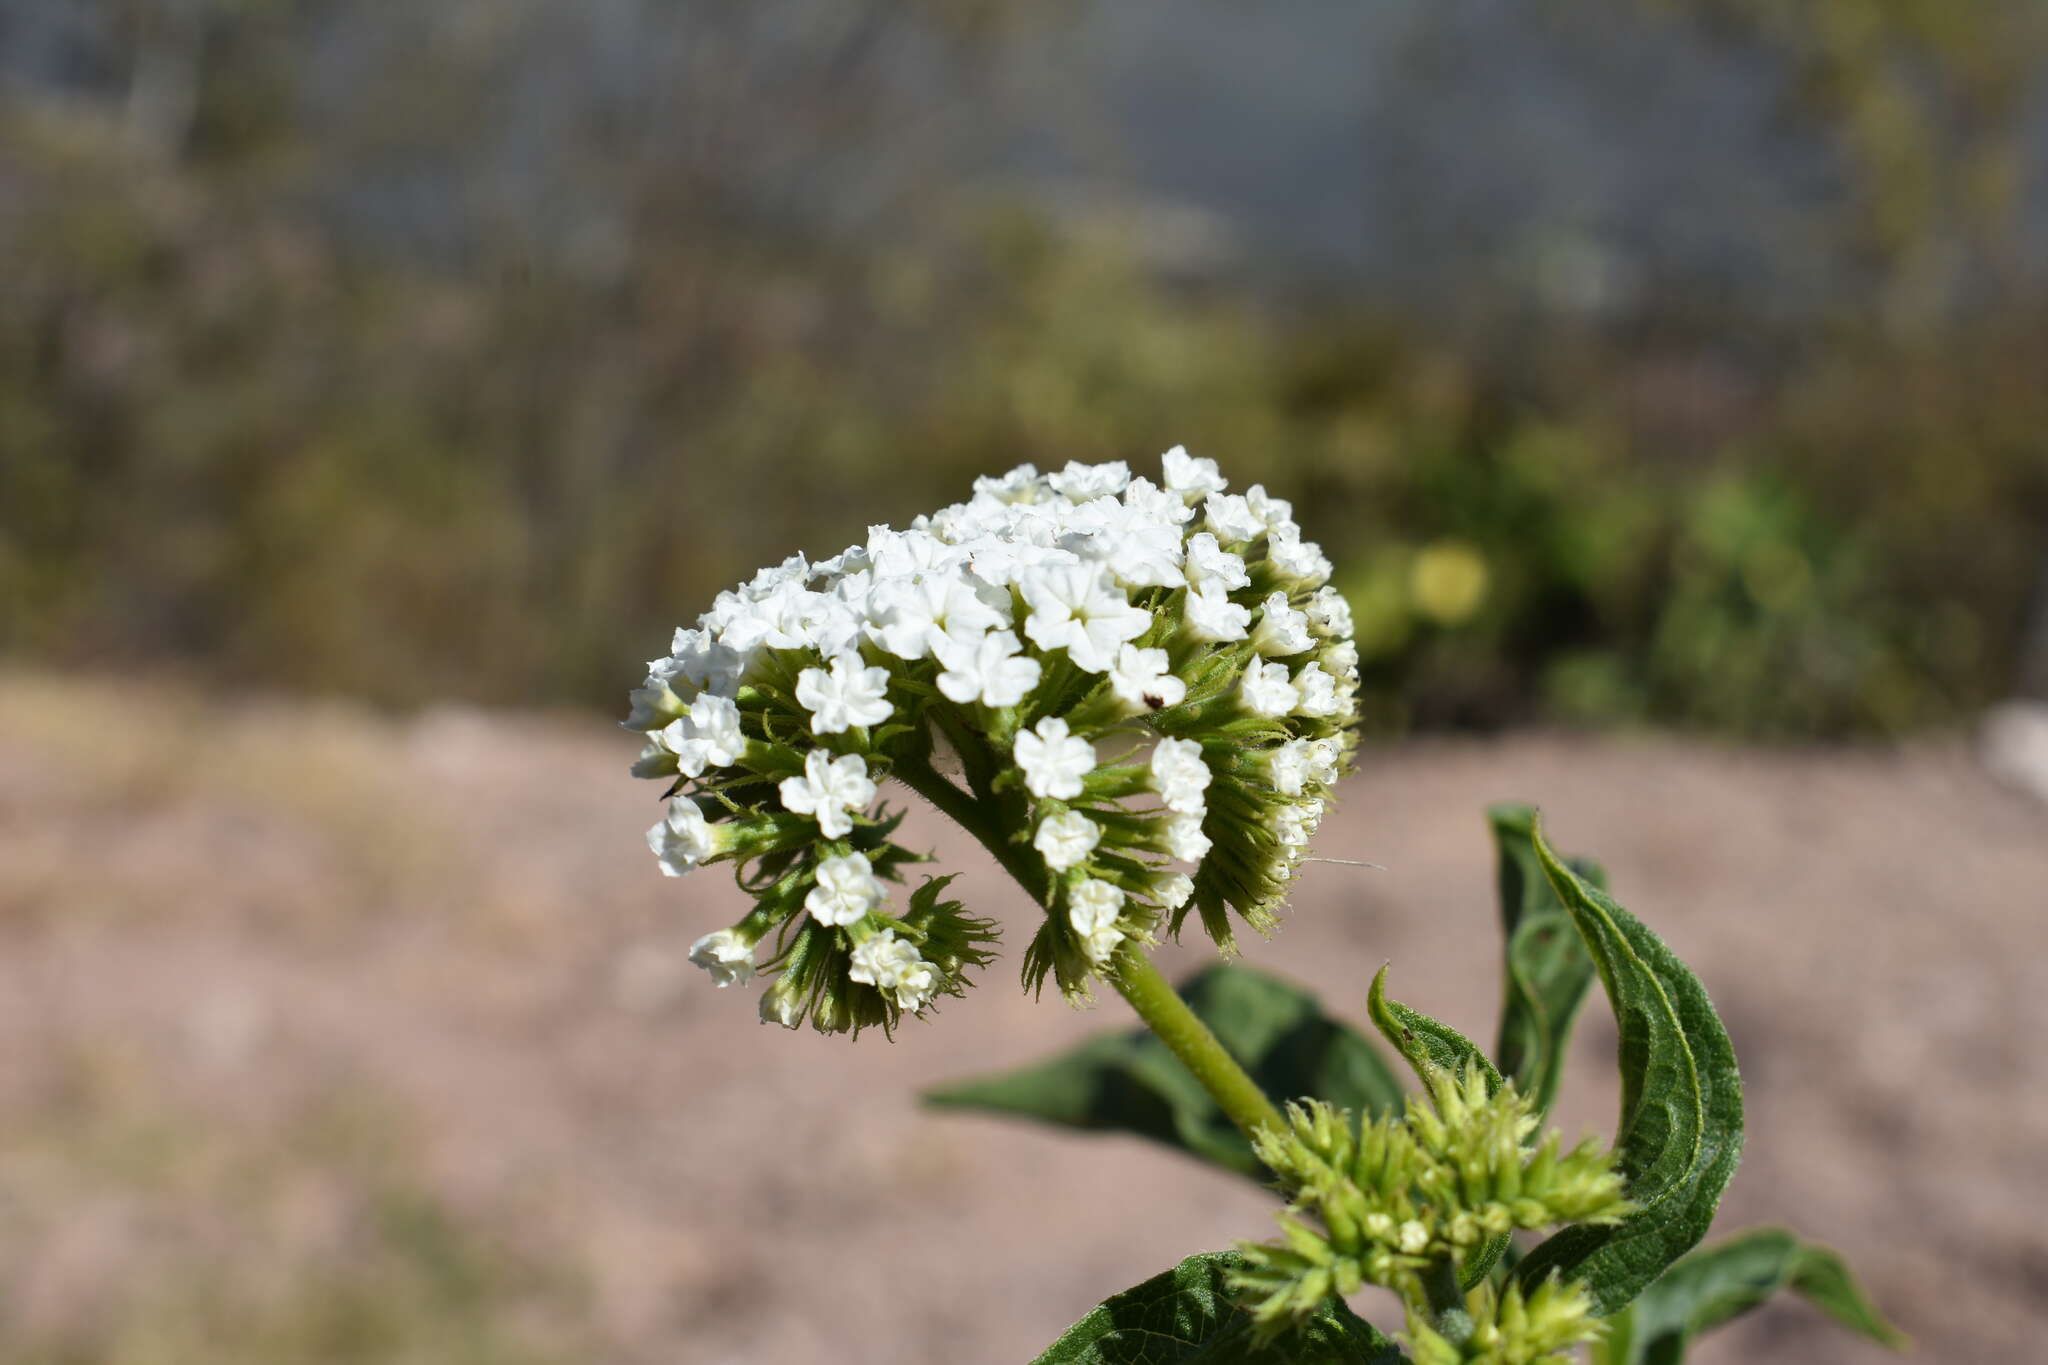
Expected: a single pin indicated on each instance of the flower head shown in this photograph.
(1147, 681)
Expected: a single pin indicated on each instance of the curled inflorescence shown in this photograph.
(1144, 693)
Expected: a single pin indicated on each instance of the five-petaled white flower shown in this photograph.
(1054, 761)
(1282, 630)
(850, 694)
(1179, 775)
(1267, 691)
(1142, 680)
(847, 889)
(707, 736)
(1210, 616)
(1066, 839)
(684, 839)
(1075, 607)
(728, 957)
(1184, 838)
(1192, 478)
(992, 670)
(1092, 908)
(831, 789)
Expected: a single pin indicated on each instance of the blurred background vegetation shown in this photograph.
(1677, 362)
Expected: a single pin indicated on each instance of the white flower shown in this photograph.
(1282, 630)
(919, 619)
(1081, 482)
(1054, 762)
(708, 736)
(1340, 657)
(1267, 691)
(881, 959)
(830, 789)
(1066, 839)
(1184, 838)
(1173, 890)
(1232, 519)
(846, 890)
(1329, 613)
(1318, 691)
(916, 985)
(992, 670)
(1074, 607)
(1140, 549)
(1179, 775)
(1210, 566)
(1275, 515)
(1093, 904)
(1192, 478)
(1323, 756)
(1295, 825)
(1210, 616)
(1092, 908)
(1298, 559)
(684, 839)
(728, 957)
(850, 694)
(1287, 767)
(1021, 484)
(1414, 1238)
(1140, 679)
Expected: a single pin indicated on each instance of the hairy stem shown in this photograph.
(1132, 973)
(1447, 1302)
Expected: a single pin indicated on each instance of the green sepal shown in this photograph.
(1434, 1049)
(1545, 969)
(1186, 1316)
(1680, 1132)
(1130, 1082)
(1718, 1283)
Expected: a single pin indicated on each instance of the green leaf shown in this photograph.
(1546, 970)
(1130, 1082)
(1431, 1047)
(1680, 1133)
(1184, 1316)
(1717, 1283)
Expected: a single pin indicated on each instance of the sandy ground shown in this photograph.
(329, 1037)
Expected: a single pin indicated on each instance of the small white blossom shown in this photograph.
(850, 694)
(707, 736)
(1191, 477)
(1287, 767)
(892, 965)
(991, 670)
(920, 619)
(1066, 839)
(1414, 1238)
(1173, 890)
(1081, 482)
(1054, 761)
(1298, 559)
(1140, 679)
(1340, 658)
(1184, 838)
(684, 839)
(1233, 521)
(1323, 757)
(1274, 515)
(1208, 565)
(1282, 630)
(916, 985)
(1267, 691)
(1210, 616)
(1179, 775)
(728, 957)
(1074, 607)
(1092, 908)
(831, 789)
(1019, 485)
(1329, 613)
(1318, 690)
(847, 889)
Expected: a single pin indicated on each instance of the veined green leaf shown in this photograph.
(1430, 1047)
(1130, 1082)
(1680, 1133)
(1546, 970)
(1184, 1316)
(1717, 1283)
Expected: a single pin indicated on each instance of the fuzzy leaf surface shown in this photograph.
(1545, 969)
(1184, 1316)
(1130, 1082)
(1680, 1132)
(1724, 1281)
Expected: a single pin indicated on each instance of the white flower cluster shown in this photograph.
(1134, 672)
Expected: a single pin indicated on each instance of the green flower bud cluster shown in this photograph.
(1402, 1195)
(1508, 1327)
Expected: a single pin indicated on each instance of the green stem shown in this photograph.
(1132, 973)
(1447, 1302)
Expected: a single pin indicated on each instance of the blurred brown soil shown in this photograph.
(300, 1000)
